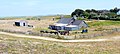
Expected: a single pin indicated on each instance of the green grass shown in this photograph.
(103, 23)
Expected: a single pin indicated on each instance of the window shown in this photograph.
(58, 28)
(67, 28)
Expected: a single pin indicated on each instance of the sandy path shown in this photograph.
(57, 40)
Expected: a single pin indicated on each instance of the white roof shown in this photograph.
(60, 24)
(66, 25)
(21, 21)
(71, 26)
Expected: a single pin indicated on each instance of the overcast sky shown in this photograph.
(50, 7)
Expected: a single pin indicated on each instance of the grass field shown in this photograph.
(94, 26)
(103, 23)
(15, 45)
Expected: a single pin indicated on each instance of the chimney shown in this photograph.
(75, 17)
(61, 16)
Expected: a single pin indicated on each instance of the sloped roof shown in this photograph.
(67, 21)
(76, 22)
(64, 20)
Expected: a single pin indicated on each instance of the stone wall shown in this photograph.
(82, 36)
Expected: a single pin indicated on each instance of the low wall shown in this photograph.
(104, 33)
(31, 33)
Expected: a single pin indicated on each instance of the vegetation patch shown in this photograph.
(35, 46)
(103, 23)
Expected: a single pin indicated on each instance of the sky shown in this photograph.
(51, 7)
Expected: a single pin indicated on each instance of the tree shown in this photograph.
(79, 12)
(86, 14)
(93, 10)
(115, 10)
(111, 10)
(88, 10)
(111, 15)
(73, 13)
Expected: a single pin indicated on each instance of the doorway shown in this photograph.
(23, 24)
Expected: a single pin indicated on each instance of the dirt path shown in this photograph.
(57, 40)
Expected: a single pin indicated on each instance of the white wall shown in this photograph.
(22, 23)
(82, 24)
(118, 13)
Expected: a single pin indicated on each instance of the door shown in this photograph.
(23, 24)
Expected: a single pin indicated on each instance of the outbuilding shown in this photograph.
(21, 23)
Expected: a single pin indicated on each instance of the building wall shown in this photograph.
(67, 28)
(22, 23)
(63, 28)
(71, 28)
(118, 13)
(75, 28)
(83, 24)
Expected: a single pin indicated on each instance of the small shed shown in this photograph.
(21, 23)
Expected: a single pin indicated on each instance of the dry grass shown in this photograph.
(38, 25)
(44, 23)
(14, 45)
